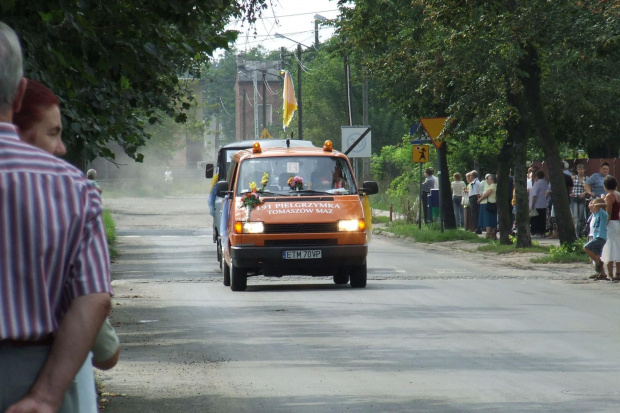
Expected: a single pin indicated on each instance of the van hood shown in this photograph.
(302, 209)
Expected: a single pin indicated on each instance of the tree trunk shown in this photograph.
(517, 135)
(445, 190)
(531, 65)
(503, 197)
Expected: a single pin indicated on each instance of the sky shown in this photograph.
(291, 18)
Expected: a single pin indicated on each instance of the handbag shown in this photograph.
(533, 213)
(491, 206)
(465, 201)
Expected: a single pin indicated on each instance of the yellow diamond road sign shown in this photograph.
(434, 127)
(420, 153)
(265, 134)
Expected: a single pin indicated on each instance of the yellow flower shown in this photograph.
(253, 186)
(265, 179)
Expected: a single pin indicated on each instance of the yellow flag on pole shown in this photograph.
(288, 97)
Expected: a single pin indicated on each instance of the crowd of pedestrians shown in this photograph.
(594, 204)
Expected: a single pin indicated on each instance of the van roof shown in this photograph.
(267, 143)
(302, 151)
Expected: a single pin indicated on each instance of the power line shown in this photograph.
(293, 33)
(287, 15)
(223, 107)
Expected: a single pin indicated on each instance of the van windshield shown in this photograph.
(294, 175)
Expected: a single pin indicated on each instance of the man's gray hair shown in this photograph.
(91, 174)
(11, 66)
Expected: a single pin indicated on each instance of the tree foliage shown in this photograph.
(116, 65)
(494, 65)
(324, 99)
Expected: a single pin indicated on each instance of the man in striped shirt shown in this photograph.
(54, 263)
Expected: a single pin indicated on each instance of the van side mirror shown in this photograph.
(209, 171)
(370, 187)
(221, 188)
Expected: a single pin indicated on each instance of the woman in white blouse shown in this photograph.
(457, 198)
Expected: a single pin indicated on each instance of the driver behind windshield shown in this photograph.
(322, 177)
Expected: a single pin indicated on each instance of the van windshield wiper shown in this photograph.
(309, 191)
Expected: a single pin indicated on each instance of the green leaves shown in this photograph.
(114, 63)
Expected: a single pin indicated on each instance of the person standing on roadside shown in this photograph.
(91, 174)
(538, 202)
(594, 247)
(611, 251)
(466, 207)
(594, 184)
(55, 279)
(475, 191)
(39, 124)
(457, 198)
(488, 207)
(429, 183)
(578, 200)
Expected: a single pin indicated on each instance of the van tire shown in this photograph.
(218, 248)
(238, 278)
(225, 273)
(358, 276)
(342, 277)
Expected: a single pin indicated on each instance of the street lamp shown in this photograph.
(317, 19)
(299, 108)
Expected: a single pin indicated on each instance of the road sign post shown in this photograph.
(434, 127)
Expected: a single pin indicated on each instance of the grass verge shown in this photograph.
(495, 246)
(379, 219)
(431, 233)
(110, 231)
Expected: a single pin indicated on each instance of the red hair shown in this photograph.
(37, 97)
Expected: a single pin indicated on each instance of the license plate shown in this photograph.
(301, 254)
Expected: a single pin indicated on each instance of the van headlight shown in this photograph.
(249, 227)
(349, 225)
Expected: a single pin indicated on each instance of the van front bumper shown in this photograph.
(270, 261)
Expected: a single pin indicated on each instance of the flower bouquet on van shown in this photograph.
(296, 183)
(252, 199)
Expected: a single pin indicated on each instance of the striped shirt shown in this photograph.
(53, 246)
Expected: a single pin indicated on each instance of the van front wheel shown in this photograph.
(238, 278)
(358, 276)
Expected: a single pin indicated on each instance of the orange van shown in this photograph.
(293, 211)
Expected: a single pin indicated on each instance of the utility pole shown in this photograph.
(317, 19)
(245, 98)
(316, 34)
(264, 100)
(255, 80)
(299, 111)
(347, 85)
(217, 128)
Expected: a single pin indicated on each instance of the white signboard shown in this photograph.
(350, 135)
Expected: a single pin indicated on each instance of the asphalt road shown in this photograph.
(435, 330)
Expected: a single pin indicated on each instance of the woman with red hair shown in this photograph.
(39, 119)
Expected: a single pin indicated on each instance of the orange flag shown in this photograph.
(288, 97)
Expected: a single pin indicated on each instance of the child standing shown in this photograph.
(594, 248)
